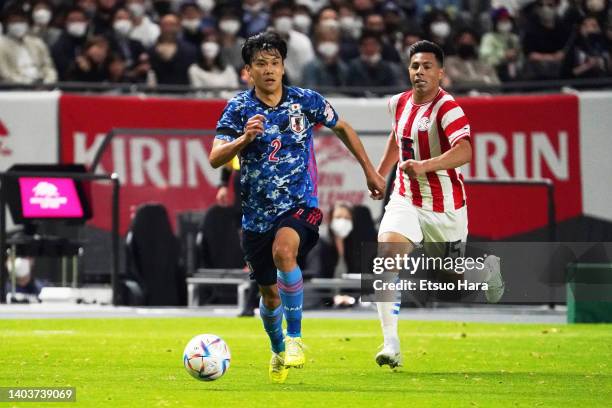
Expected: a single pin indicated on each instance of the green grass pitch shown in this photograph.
(138, 363)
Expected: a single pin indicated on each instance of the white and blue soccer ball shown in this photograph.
(206, 357)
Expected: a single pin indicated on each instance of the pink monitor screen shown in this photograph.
(46, 197)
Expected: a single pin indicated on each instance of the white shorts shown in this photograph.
(419, 225)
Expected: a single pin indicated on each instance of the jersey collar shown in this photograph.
(266, 106)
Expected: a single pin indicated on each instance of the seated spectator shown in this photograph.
(465, 68)
(102, 21)
(211, 70)
(24, 59)
(42, 15)
(71, 41)
(92, 64)
(299, 46)
(501, 48)
(409, 38)
(351, 26)
(131, 51)
(143, 29)
(588, 55)
(302, 19)
(171, 57)
(255, 17)
(438, 27)
(375, 23)
(369, 69)
(327, 70)
(231, 42)
(544, 42)
(117, 69)
(191, 23)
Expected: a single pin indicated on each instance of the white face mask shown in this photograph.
(347, 23)
(595, 5)
(191, 24)
(122, 27)
(330, 23)
(283, 24)
(17, 30)
(206, 5)
(440, 29)
(76, 29)
(41, 16)
(230, 27)
(504, 26)
(302, 22)
(22, 267)
(328, 49)
(210, 49)
(341, 227)
(373, 59)
(137, 9)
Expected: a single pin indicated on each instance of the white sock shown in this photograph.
(388, 313)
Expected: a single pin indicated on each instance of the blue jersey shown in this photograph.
(277, 169)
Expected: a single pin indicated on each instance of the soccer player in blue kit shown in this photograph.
(270, 128)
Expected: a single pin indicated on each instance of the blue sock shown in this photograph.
(291, 289)
(273, 324)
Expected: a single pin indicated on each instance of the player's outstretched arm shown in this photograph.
(376, 183)
(457, 156)
(390, 156)
(224, 151)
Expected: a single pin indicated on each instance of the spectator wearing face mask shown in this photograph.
(24, 59)
(255, 17)
(369, 69)
(231, 42)
(351, 26)
(588, 55)
(171, 57)
(191, 23)
(544, 42)
(299, 46)
(27, 287)
(42, 15)
(144, 29)
(71, 41)
(302, 19)
(464, 68)
(211, 71)
(132, 52)
(438, 28)
(102, 21)
(375, 23)
(327, 70)
(92, 64)
(501, 48)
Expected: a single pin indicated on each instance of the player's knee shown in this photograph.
(284, 255)
(271, 300)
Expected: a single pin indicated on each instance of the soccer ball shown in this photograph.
(206, 357)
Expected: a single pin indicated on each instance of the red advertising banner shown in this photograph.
(518, 138)
(170, 169)
(514, 138)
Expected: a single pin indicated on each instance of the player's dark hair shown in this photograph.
(267, 41)
(427, 46)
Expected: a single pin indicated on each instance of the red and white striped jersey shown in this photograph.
(425, 131)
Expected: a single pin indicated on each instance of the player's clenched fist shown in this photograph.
(413, 168)
(376, 185)
(254, 127)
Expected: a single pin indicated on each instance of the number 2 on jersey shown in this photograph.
(276, 143)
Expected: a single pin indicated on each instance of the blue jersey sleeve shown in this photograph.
(230, 125)
(325, 114)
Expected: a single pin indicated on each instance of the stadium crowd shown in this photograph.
(331, 43)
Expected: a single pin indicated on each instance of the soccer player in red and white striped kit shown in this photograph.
(431, 140)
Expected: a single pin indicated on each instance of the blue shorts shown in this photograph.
(257, 247)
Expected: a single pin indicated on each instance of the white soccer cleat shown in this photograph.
(390, 356)
(494, 281)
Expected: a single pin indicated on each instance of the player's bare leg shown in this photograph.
(388, 311)
(291, 290)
